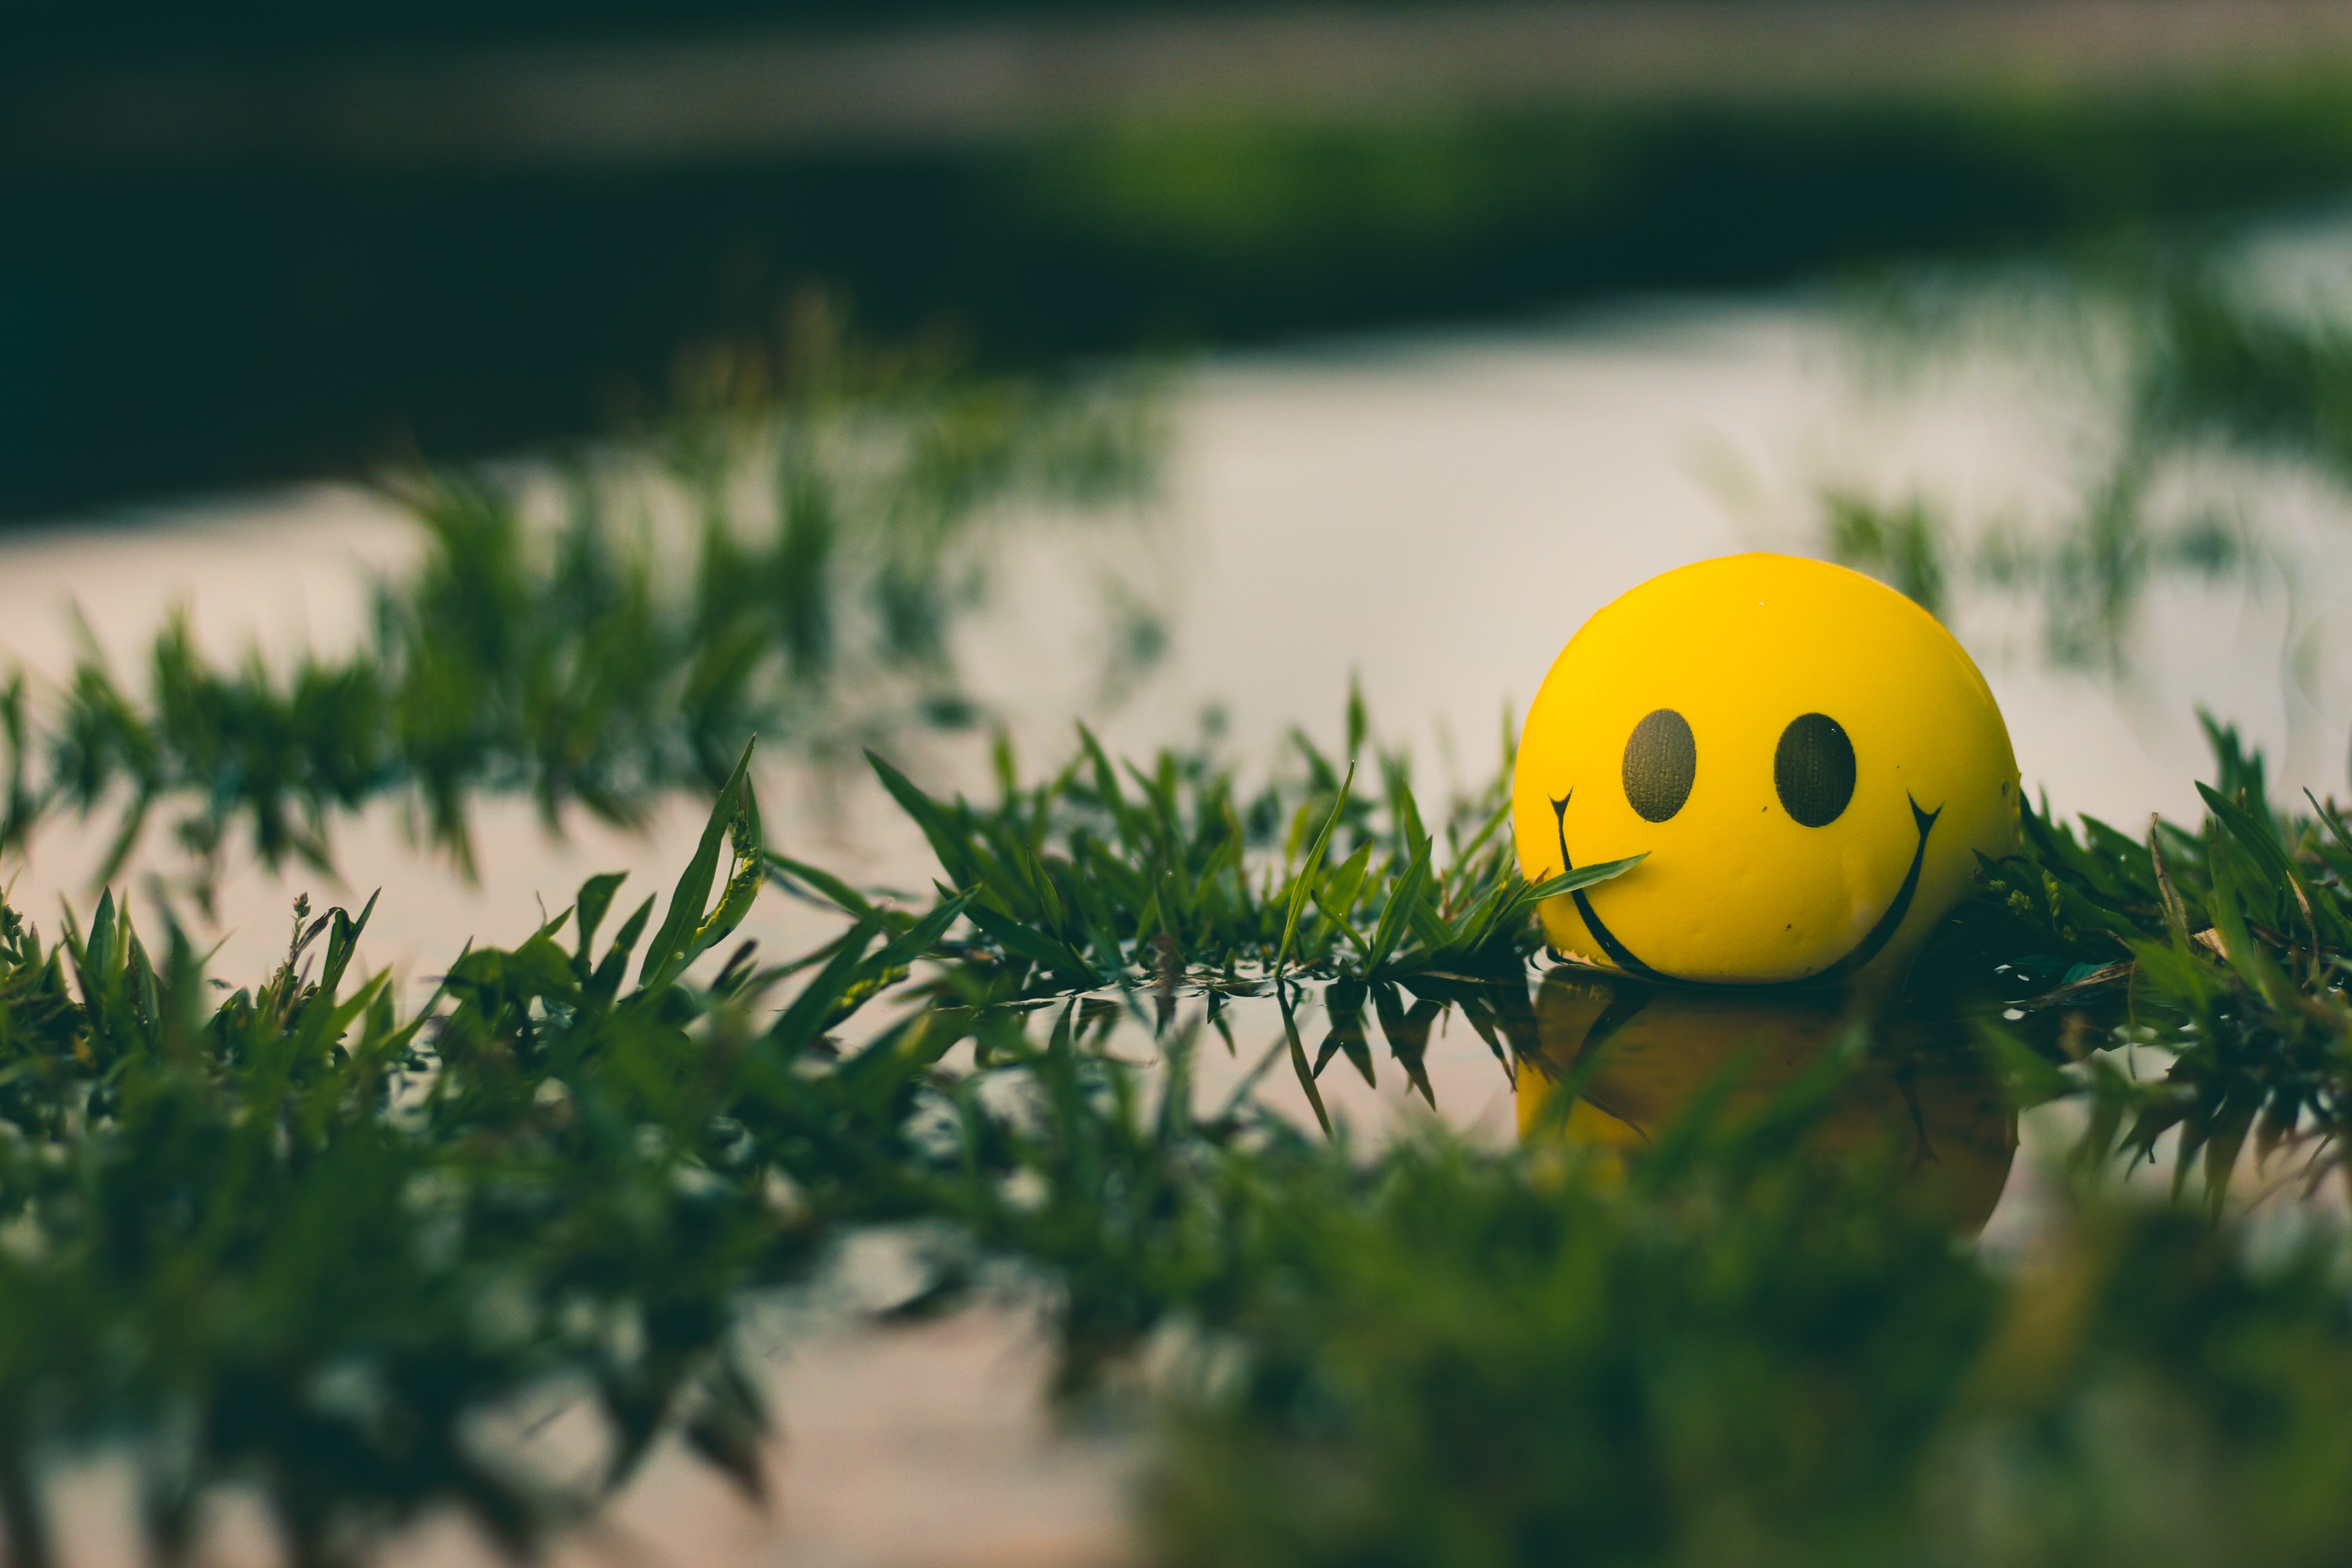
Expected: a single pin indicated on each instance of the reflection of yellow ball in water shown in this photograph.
(1807, 761)
(1924, 1111)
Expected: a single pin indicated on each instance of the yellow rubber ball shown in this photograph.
(1807, 762)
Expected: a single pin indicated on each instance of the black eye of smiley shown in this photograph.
(1661, 760)
(1812, 769)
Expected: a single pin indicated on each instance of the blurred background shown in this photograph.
(1453, 322)
(261, 239)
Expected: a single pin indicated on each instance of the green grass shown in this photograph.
(793, 569)
(1745, 1359)
(1108, 872)
(300, 1238)
(2208, 376)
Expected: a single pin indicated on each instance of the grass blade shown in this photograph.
(1305, 882)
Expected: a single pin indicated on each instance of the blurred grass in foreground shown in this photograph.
(299, 1239)
(1445, 1359)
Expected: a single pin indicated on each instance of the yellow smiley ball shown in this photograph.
(1808, 762)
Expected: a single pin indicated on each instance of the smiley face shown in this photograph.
(1807, 761)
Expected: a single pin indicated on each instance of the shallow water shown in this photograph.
(1434, 516)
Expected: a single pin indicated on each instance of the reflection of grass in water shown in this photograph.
(294, 1239)
(791, 567)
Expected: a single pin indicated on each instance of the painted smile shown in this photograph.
(1862, 953)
